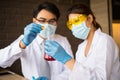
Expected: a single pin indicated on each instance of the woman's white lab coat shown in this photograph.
(102, 61)
(32, 61)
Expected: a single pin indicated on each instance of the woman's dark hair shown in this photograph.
(47, 6)
(83, 9)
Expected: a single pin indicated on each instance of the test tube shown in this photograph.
(48, 57)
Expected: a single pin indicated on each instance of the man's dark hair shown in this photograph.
(47, 6)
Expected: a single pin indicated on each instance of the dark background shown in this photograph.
(116, 9)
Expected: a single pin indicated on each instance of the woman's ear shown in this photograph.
(34, 20)
(90, 18)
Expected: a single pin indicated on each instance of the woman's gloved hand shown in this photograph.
(39, 78)
(55, 50)
(30, 33)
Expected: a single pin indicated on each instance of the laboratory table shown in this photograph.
(9, 75)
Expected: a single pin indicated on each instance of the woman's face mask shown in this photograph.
(78, 26)
(48, 30)
(80, 31)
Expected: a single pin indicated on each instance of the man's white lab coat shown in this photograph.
(102, 61)
(32, 61)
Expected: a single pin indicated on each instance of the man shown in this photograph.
(30, 46)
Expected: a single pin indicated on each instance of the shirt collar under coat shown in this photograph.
(39, 39)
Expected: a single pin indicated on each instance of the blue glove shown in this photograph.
(39, 78)
(30, 33)
(53, 49)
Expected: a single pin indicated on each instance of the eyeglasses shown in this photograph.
(77, 20)
(43, 21)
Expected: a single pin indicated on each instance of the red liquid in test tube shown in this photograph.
(48, 58)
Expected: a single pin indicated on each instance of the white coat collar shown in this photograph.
(96, 36)
(95, 40)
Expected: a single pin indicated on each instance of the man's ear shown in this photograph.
(34, 20)
(90, 18)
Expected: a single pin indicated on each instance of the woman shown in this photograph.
(96, 57)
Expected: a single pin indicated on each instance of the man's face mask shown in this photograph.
(78, 27)
(48, 30)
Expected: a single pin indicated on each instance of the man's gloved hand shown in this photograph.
(55, 50)
(30, 32)
(39, 78)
